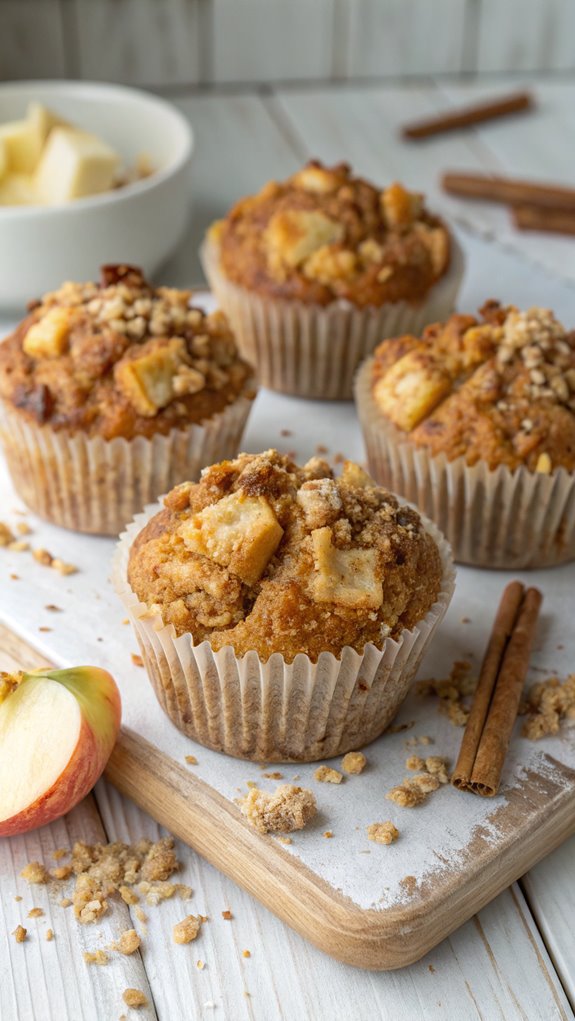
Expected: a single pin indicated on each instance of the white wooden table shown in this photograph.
(516, 959)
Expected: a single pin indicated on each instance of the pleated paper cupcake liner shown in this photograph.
(314, 350)
(492, 517)
(94, 485)
(277, 711)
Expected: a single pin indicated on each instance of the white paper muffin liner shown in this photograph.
(94, 485)
(491, 517)
(277, 711)
(314, 350)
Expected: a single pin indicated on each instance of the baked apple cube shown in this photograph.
(23, 145)
(411, 389)
(239, 532)
(354, 475)
(74, 164)
(148, 381)
(348, 577)
(292, 235)
(48, 338)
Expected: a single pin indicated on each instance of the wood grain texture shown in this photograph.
(32, 39)
(526, 35)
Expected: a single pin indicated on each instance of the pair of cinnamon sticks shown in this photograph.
(498, 693)
(541, 207)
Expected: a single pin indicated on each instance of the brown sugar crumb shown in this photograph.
(23, 529)
(89, 899)
(141, 915)
(246, 953)
(382, 832)
(286, 432)
(35, 873)
(134, 998)
(200, 965)
(137, 659)
(400, 727)
(128, 895)
(20, 934)
(288, 808)
(325, 774)
(96, 957)
(227, 915)
(65, 902)
(424, 782)
(17, 897)
(415, 762)
(6, 534)
(49, 935)
(405, 795)
(273, 776)
(61, 872)
(128, 942)
(354, 763)
(328, 834)
(453, 692)
(413, 742)
(437, 766)
(284, 840)
(409, 884)
(62, 567)
(19, 546)
(186, 930)
(251, 784)
(548, 703)
(36, 913)
(191, 760)
(154, 893)
(43, 557)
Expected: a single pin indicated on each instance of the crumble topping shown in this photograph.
(547, 704)
(288, 808)
(20, 934)
(128, 942)
(186, 930)
(134, 998)
(382, 832)
(354, 763)
(415, 789)
(325, 774)
(237, 559)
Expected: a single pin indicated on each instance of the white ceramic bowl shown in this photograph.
(141, 223)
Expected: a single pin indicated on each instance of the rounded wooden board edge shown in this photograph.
(381, 940)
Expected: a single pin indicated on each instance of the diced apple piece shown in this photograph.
(17, 190)
(44, 120)
(57, 730)
(347, 577)
(23, 145)
(148, 381)
(239, 532)
(48, 338)
(411, 389)
(74, 164)
(293, 234)
(354, 475)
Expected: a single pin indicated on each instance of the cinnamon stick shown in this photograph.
(553, 221)
(511, 191)
(466, 116)
(503, 672)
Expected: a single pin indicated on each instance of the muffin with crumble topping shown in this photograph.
(282, 612)
(475, 423)
(112, 393)
(313, 272)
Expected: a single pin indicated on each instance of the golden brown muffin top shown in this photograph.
(324, 234)
(120, 358)
(499, 389)
(261, 554)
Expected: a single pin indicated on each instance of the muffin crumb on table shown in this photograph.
(382, 832)
(288, 808)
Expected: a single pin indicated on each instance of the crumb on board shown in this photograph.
(200, 965)
(415, 762)
(273, 776)
(246, 953)
(325, 774)
(20, 934)
(53, 608)
(548, 703)
(382, 832)
(36, 913)
(328, 834)
(191, 760)
(49, 935)
(96, 957)
(35, 873)
(17, 897)
(19, 546)
(287, 808)
(59, 853)
(187, 930)
(418, 739)
(141, 915)
(453, 692)
(432, 772)
(23, 528)
(6, 534)
(137, 659)
(128, 942)
(354, 763)
(128, 895)
(227, 915)
(134, 998)
(61, 872)
(409, 884)
(65, 902)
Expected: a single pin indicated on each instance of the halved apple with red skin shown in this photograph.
(57, 731)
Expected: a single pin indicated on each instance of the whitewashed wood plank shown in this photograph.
(526, 35)
(31, 39)
(41, 981)
(267, 40)
(403, 37)
(142, 42)
(550, 892)
(238, 148)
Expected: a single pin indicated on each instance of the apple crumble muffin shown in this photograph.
(263, 555)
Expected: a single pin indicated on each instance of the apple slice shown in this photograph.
(57, 731)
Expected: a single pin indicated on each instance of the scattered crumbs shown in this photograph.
(18, 897)
(191, 760)
(128, 942)
(406, 796)
(339, 458)
(288, 808)
(251, 784)
(325, 774)
(43, 557)
(273, 776)
(227, 915)
(186, 930)
(200, 965)
(321, 449)
(466, 620)
(413, 742)
(286, 432)
(284, 840)
(45, 629)
(431, 969)
(409, 884)
(203, 918)
(49, 935)
(141, 915)
(126, 620)
(137, 659)
(62, 567)
(59, 853)
(328, 834)
(19, 546)
(61, 872)
(20, 934)
(65, 902)
(246, 953)
(34, 872)
(354, 763)
(400, 727)
(36, 913)
(437, 766)
(415, 762)
(453, 692)
(547, 704)
(96, 957)
(53, 608)
(128, 895)
(382, 832)
(23, 529)
(14, 577)
(134, 998)
(6, 534)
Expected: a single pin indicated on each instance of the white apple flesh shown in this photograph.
(57, 731)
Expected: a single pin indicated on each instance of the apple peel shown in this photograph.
(57, 731)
